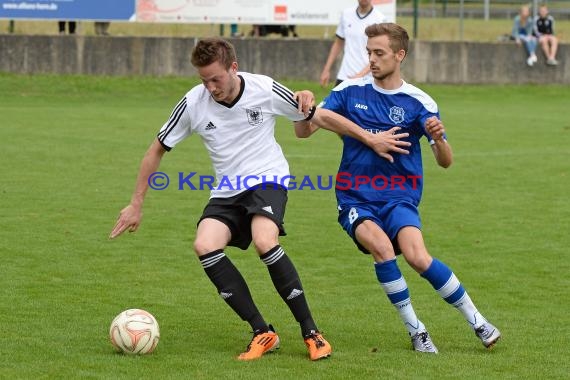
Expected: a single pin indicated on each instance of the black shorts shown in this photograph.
(237, 212)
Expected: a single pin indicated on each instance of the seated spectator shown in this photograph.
(545, 34)
(523, 33)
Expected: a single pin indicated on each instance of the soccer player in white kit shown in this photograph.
(350, 37)
(234, 114)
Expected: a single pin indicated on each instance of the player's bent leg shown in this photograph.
(411, 243)
(375, 240)
(447, 285)
(212, 234)
(264, 234)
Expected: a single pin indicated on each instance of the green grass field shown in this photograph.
(71, 146)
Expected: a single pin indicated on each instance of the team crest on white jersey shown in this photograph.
(254, 115)
(397, 114)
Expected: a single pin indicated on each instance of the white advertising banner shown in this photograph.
(284, 12)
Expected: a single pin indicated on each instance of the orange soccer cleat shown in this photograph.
(318, 347)
(260, 344)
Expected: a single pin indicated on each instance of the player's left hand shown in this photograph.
(306, 100)
(435, 128)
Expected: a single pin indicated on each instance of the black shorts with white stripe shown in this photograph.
(267, 199)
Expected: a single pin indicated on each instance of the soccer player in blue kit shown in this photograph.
(378, 200)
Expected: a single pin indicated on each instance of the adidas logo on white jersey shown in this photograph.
(268, 209)
(210, 126)
(294, 293)
(225, 295)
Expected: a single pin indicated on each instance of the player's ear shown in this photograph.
(234, 67)
(400, 55)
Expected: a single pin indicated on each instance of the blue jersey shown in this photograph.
(364, 176)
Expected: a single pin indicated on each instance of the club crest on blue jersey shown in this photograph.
(397, 114)
(254, 115)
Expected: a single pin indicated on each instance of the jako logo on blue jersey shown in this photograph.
(361, 106)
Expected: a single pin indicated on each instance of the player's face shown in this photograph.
(222, 83)
(383, 61)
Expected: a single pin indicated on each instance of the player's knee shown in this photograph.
(419, 260)
(263, 244)
(203, 246)
(382, 251)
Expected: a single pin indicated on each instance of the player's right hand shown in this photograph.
(325, 78)
(390, 141)
(129, 218)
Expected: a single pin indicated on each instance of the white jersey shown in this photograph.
(351, 30)
(240, 136)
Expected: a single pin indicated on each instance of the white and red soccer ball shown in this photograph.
(134, 331)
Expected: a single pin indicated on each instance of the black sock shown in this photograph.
(232, 288)
(288, 285)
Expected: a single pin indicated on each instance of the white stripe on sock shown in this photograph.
(211, 261)
(395, 286)
(273, 258)
(450, 287)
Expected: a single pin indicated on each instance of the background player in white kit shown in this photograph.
(234, 114)
(350, 37)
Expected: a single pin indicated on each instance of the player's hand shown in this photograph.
(306, 101)
(325, 78)
(435, 128)
(129, 219)
(389, 141)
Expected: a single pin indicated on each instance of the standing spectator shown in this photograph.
(350, 37)
(545, 33)
(70, 27)
(102, 28)
(523, 33)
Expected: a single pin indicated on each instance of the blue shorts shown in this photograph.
(391, 217)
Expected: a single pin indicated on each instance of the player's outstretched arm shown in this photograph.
(382, 143)
(441, 149)
(130, 217)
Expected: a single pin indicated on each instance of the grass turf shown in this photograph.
(71, 147)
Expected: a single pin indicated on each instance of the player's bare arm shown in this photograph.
(382, 143)
(441, 149)
(130, 217)
(361, 73)
(304, 128)
(336, 48)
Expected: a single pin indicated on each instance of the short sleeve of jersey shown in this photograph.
(284, 103)
(340, 27)
(428, 110)
(426, 107)
(178, 125)
(335, 101)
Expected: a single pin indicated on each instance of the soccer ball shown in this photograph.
(134, 331)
